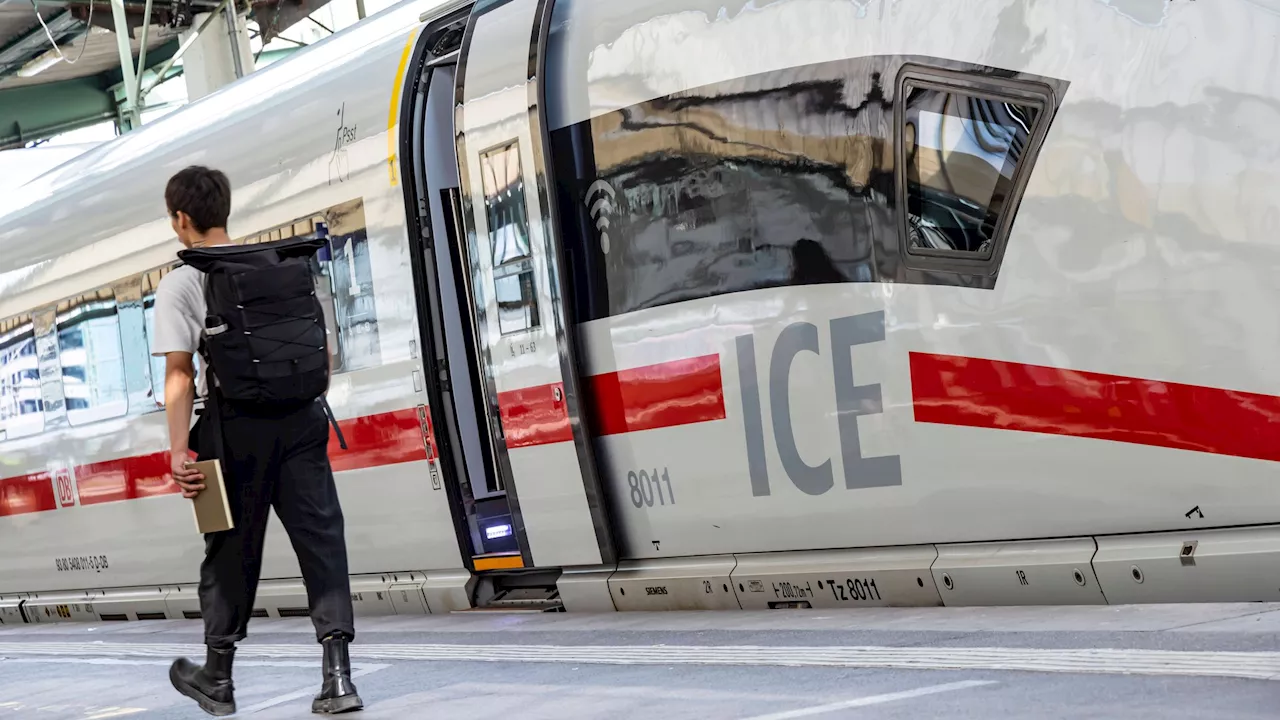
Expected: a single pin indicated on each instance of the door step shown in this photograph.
(521, 592)
(527, 599)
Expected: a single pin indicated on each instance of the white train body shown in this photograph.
(803, 303)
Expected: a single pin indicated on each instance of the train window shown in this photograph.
(344, 281)
(504, 203)
(506, 211)
(133, 339)
(151, 281)
(517, 301)
(961, 153)
(92, 358)
(149, 284)
(21, 403)
(964, 144)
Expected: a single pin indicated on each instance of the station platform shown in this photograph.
(1124, 662)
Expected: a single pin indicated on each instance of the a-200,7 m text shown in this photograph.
(647, 490)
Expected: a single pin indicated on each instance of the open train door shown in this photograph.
(517, 276)
(500, 347)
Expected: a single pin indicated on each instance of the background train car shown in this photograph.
(702, 304)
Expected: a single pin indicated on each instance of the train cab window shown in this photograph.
(961, 148)
(882, 168)
(21, 403)
(92, 359)
(508, 220)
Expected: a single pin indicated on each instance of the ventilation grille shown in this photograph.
(294, 612)
(191, 614)
(152, 616)
(114, 617)
(259, 612)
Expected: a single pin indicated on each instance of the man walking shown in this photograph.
(251, 314)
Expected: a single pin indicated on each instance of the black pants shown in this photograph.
(279, 461)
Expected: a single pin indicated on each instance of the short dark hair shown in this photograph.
(203, 194)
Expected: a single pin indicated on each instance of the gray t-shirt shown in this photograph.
(179, 319)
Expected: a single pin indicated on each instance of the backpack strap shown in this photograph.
(212, 401)
(328, 411)
(203, 348)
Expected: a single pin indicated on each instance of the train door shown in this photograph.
(501, 364)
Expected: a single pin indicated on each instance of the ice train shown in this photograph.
(702, 304)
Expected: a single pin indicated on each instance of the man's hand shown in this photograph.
(188, 478)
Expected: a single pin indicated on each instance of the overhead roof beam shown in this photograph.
(64, 27)
(132, 114)
(157, 55)
(182, 49)
(38, 111)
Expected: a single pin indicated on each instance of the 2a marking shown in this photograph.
(854, 589)
(646, 489)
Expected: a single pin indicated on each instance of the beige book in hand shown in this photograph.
(212, 509)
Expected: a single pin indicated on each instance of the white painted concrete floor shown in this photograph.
(1215, 662)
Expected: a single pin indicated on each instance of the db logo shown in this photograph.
(66, 493)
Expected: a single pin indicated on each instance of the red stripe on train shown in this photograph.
(664, 395)
(947, 390)
(125, 479)
(1011, 396)
(668, 394)
(374, 440)
(534, 416)
(27, 494)
(645, 398)
(382, 439)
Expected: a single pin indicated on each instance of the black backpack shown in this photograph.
(264, 344)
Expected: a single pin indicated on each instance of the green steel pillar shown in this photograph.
(130, 117)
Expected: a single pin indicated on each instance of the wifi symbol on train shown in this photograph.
(601, 209)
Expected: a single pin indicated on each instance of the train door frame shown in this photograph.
(575, 382)
(544, 436)
(433, 49)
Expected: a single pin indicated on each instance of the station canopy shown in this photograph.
(60, 62)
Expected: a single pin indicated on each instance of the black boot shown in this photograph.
(338, 694)
(208, 684)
